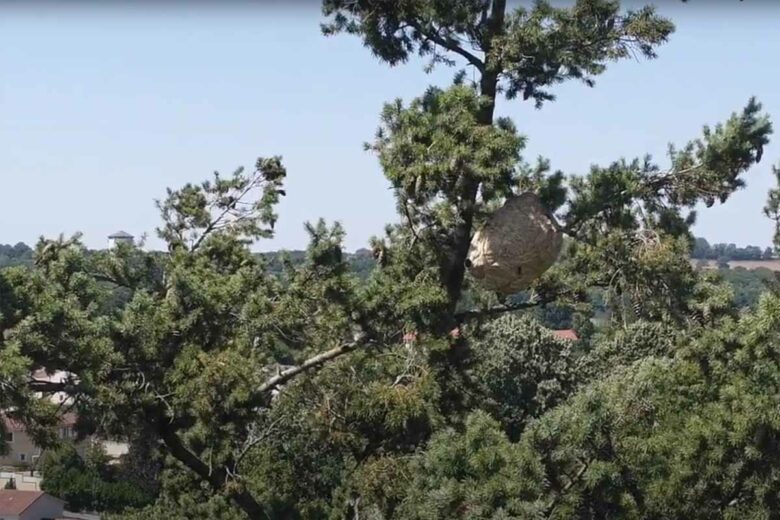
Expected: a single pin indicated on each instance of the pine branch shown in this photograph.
(492, 311)
(311, 363)
(554, 502)
(217, 221)
(448, 44)
(37, 385)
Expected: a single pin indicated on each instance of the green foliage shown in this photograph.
(748, 285)
(192, 213)
(287, 387)
(679, 432)
(371, 409)
(638, 341)
(703, 250)
(708, 169)
(686, 437)
(633, 239)
(422, 149)
(556, 317)
(19, 254)
(549, 33)
(502, 43)
(182, 324)
(182, 497)
(772, 207)
(472, 474)
(705, 170)
(521, 371)
(90, 484)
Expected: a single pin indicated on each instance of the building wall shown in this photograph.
(23, 480)
(114, 242)
(46, 507)
(23, 444)
(20, 445)
(115, 449)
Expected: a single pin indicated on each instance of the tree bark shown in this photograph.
(461, 238)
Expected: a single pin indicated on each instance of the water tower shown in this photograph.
(120, 237)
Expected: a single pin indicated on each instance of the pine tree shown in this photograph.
(311, 394)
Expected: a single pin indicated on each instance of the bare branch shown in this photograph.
(102, 277)
(313, 362)
(492, 311)
(253, 441)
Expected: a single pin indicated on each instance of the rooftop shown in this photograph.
(568, 334)
(120, 234)
(14, 425)
(15, 502)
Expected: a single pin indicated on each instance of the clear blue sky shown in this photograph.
(101, 108)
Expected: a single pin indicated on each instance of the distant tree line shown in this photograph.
(702, 250)
(362, 261)
(20, 254)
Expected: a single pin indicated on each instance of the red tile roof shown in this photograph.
(15, 502)
(567, 334)
(13, 425)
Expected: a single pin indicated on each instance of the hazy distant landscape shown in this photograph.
(772, 265)
(362, 261)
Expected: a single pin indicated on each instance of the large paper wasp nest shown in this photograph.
(516, 246)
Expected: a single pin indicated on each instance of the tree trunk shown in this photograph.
(461, 237)
(217, 478)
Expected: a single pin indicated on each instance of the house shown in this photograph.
(29, 505)
(24, 454)
(57, 377)
(22, 451)
(120, 237)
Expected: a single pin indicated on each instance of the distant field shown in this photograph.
(772, 265)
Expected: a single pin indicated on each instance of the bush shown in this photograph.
(91, 485)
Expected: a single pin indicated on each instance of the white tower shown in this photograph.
(120, 237)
